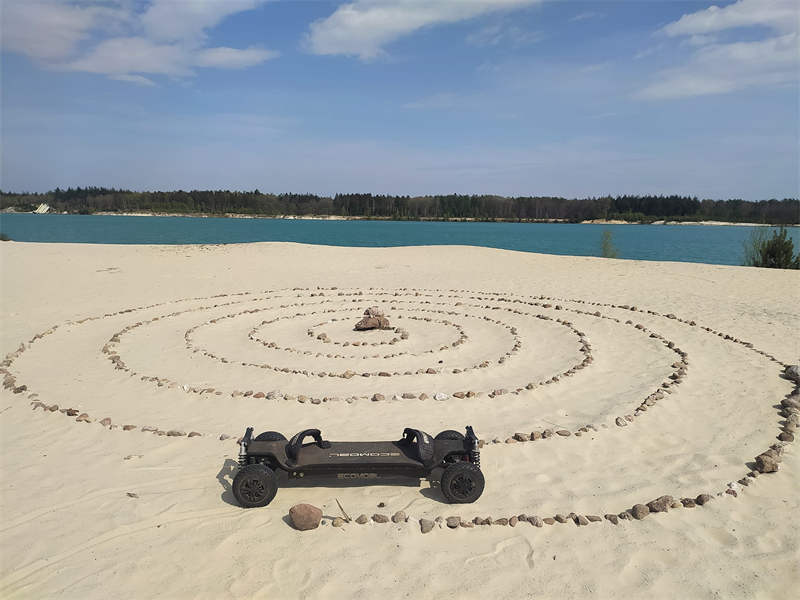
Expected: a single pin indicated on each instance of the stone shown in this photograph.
(83, 418)
(792, 372)
(106, 422)
(379, 518)
(593, 518)
(500, 521)
(688, 502)
(378, 397)
(513, 521)
(785, 436)
(175, 433)
(521, 437)
(409, 395)
(368, 323)
(426, 525)
(732, 492)
(703, 499)
(259, 395)
(582, 520)
(399, 517)
(362, 519)
(128, 427)
(194, 434)
(766, 463)
(423, 396)
(453, 522)
(661, 504)
(535, 521)
(338, 521)
(305, 516)
(640, 511)
(549, 520)
(467, 524)
(612, 518)
(621, 422)
(440, 396)
(561, 518)
(563, 432)
(536, 435)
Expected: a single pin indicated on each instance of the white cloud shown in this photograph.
(586, 15)
(722, 68)
(363, 27)
(501, 33)
(775, 14)
(718, 68)
(123, 39)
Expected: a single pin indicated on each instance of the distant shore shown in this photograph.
(449, 220)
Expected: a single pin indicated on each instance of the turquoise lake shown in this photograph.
(721, 245)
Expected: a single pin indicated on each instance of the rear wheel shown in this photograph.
(270, 436)
(449, 434)
(255, 485)
(462, 483)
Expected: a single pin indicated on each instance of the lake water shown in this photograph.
(685, 243)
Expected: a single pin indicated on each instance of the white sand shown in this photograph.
(69, 528)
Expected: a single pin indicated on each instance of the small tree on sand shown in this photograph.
(775, 252)
(607, 245)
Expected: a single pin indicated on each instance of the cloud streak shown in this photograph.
(125, 41)
(363, 28)
(719, 68)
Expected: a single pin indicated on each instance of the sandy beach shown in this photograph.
(653, 379)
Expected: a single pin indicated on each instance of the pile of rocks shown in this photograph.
(373, 319)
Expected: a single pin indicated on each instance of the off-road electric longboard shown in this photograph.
(269, 459)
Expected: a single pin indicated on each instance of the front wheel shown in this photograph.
(270, 436)
(255, 485)
(462, 483)
(449, 434)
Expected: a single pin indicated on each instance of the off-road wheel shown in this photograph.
(270, 436)
(255, 485)
(462, 483)
(449, 434)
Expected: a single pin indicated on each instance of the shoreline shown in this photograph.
(430, 220)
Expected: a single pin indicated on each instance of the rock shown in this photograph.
(399, 517)
(661, 504)
(378, 397)
(175, 433)
(423, 396)
(106, 422)
(362, 519)
(453, 522)
(194, 434)
(732, 492)
(549, 520)
(127, 427)
(500, 392)
(563, 432)
(459, 395)
(535, 521)
(765, 463)
(536, 435)
(467, 524)
(621, 422)
(373, 323)
(338, 521)
(688, 502)
(640, 511)
(702, 499)
(409, 395)
(612, 518)
(500, 521)
(792, 372)
(547, 433)
(71, 412)
(379, 518)
(83, 418)
(521, 437)
(561, 518)
(440, 396)
(132, 494)
(259, 395)
(305, 516)
(513, 521)
(785, 436)
(593, 518)
(582, 520)
(426, 525)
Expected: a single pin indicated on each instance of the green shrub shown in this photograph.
(772, 252)
(607, 248)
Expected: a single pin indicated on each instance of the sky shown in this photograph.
(510, 97)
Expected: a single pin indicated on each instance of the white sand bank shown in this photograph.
(183, 319)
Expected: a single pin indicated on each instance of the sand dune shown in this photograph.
(664, 379)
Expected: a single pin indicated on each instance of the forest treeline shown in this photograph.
(479, 207)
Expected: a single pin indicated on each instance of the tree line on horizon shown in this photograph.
(632, 208)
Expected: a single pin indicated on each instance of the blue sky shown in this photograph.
(512, 97)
